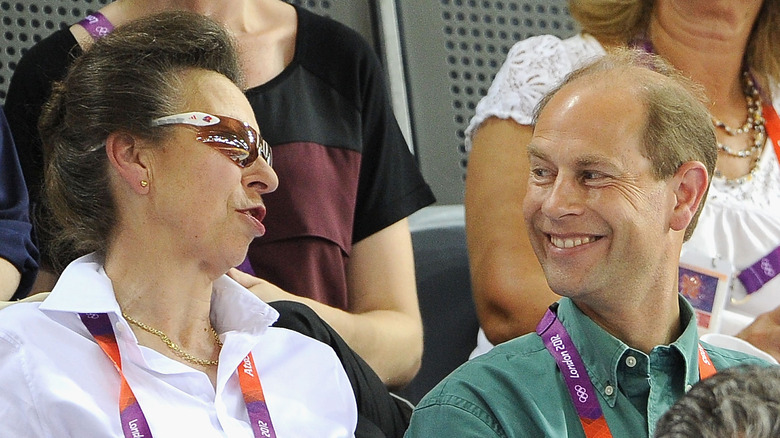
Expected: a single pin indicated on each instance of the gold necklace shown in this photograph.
(173, 346)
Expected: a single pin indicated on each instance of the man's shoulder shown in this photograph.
(494, 394)
(724, 357)
(504, 368)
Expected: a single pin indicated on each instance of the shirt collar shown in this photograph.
(84, 287)
(601, 352)
(688, 342)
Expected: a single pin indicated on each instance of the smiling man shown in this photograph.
(619, 159)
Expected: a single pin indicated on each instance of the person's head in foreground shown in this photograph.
(619, 163)
(740, 402)
(156, 179)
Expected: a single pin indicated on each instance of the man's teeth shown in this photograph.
(570, 243)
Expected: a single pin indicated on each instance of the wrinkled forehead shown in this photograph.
(592, 112)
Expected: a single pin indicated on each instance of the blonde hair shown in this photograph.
(623, 20)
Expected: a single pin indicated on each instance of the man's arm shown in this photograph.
(383, 324)
(510, 290)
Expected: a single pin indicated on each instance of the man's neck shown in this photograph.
(642, 326)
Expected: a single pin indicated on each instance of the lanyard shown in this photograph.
(558, 342)
(97, 25)
(754, 277)
(772, 123)
(134, 422)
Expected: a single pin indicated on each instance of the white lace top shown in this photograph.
(740, 223)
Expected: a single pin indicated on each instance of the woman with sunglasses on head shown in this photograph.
(156, 179)
(337, 225)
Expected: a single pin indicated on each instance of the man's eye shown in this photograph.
(590, 174)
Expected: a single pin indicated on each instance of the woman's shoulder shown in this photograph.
(52, 53)
(532, 67)
(551, 56)
(17, 318)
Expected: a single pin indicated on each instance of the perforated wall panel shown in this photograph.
(25, 22)
(453, 49)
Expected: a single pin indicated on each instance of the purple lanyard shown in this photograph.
(134, 422)
(97, 25)
(767, 268)
(757, 275)
(558, 342)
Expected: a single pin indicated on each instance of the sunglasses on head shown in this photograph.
(236, 139)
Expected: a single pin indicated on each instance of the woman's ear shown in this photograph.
(690, 186)
(129, 160)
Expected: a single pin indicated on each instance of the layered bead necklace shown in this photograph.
(755, 123)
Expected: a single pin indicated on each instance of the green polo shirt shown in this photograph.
(516, 389)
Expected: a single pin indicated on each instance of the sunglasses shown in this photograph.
(235, 139)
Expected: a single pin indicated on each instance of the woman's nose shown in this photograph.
(261, 177)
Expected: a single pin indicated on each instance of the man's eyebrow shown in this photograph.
(534, 151)
(583, 161)
(594, 159)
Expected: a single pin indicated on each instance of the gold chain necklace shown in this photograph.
(173, 346)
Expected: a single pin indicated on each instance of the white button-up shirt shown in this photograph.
(56, 381)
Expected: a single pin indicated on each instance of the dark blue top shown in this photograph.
(16, 244)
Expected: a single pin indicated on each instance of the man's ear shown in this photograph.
(129, 160)
(690, 185)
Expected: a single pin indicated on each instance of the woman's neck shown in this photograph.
(157, 296)
(152, 285)
(265, 29)
(706, 40)
(240, 16)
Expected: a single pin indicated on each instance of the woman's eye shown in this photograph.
(234, 154)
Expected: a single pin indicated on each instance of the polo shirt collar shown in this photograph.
(602, 353)
(688, 343)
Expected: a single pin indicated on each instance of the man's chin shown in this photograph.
(567, 287)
